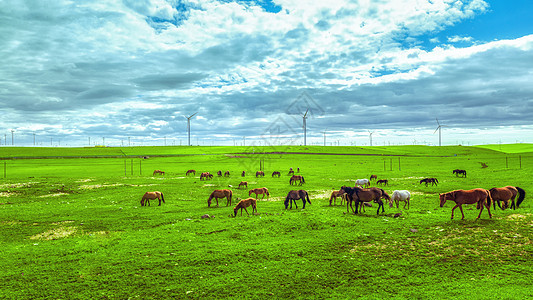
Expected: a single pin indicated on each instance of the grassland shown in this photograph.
(72, 226)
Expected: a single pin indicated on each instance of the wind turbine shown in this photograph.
(370, 133)
(439, 129)
(189, 126)
(305, 126)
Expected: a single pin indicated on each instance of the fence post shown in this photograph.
(5, 169)
(140, 166)
(125, 169)
(506, 163)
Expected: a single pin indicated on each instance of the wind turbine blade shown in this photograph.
(306, 112)
(436, 129)
(437, 121)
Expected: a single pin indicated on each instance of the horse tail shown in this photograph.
(307, 197)
(489, 198)
(521, 196)
(162, 198)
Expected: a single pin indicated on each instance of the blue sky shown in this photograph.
(129, 71)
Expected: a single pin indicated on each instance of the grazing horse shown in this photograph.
(190, 172)
(258, 191)
(295, 195)
(295, 178)
(373, 177)
(291, 171)
(206, 176)
(433, 181)
(226, 174)
(361, 195)
(334, 196)
(218, 194)
(244, 203)
(158, 172)
(480, 196)
(243, 183)
(259, 174)
(243, 173)
(276, 173)
(506, 194)
(150, 196)
(459, 171)
(363, 182)
(400, 195)
(219, 173)
(382, 182)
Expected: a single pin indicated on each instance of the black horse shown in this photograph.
(433, 181)
(458, 172)
(360, 195)
(295, 195)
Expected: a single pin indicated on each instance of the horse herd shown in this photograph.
(360, 195)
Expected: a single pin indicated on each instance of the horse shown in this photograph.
(226, 174)
(276, 173)
(335, 195)
(480, 196)
(295, 195)
(244, 204)
(506, 194)
(190, 172)
(218, 194)
(158, 172)
(259, 173)
(150, 196)
(295, 178)
(382, 182)
(206, 176)
(243, 173)
(219, 173)
(243, 183)
(258, 191)
(373, 177)
(291, 171)
(433, 181)
(361, 195)
(459, 171)
(400, 195)
(363, 182)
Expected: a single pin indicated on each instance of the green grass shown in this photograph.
(73, 227)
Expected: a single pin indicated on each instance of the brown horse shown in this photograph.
(244, 204)
(206, 176)
(259, 174)
(243, 173)
(218, 194)
(219, 173)
(158, 172)
(244, 184)
(276, 173)
(433, 181)
(295, 178)
(360, 196)
(334, 196)
(291, 171)
(373, 177)
(190, 172)
(382, 182)
(258, 191)
(226, 174)
(295, 195)
(506, 194)
(150, 196)
(480, 196)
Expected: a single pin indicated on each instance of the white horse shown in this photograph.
(400, 195)
(363, 182)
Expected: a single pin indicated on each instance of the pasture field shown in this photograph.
(73, 228)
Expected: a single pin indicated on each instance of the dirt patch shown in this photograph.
(53, 195)
(54, 234)
(98, 186)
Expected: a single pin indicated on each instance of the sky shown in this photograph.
(368, 72)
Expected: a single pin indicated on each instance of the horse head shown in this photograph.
(446, 196)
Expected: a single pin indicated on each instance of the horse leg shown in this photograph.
(303, 199)
(217, 200)
(159, 201)
(456, 206)
(488, 209)
(462, 213)
(246, 211)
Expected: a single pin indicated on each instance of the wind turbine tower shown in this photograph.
(305, 126)
(189, 127)
(370, 134)
(439, 128)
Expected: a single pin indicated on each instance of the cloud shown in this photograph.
(136, 67)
